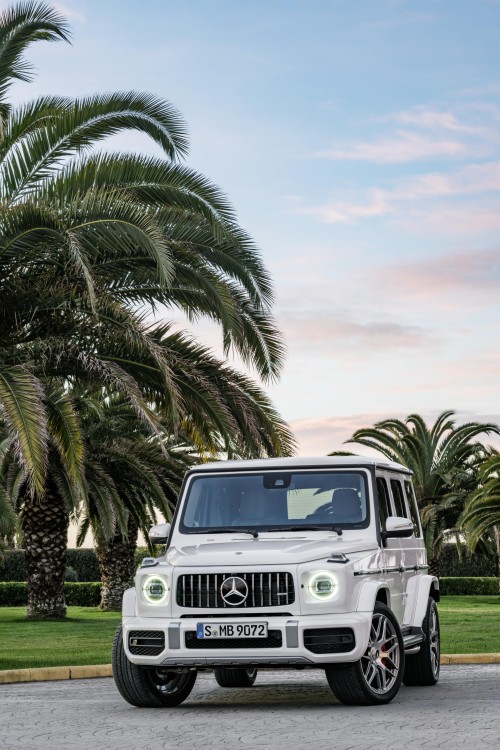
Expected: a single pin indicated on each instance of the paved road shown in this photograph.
(291, 710)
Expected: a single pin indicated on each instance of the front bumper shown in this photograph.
(289, 648)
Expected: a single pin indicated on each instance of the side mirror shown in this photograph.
(159, 534)
(398, 528)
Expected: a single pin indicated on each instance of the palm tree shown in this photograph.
(84, 239)
(481, 517)
(445, 460)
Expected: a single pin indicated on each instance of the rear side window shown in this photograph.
(412, 504)
(397, 496)
(384, 505)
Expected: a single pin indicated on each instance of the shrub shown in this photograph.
(15, 594)
(469, 565)
(71, 575)
(460, 586)
(13, 568)
(82, 561)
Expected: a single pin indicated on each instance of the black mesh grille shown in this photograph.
(329, 640)
(146, 642)
(273, 640)
(264, 590)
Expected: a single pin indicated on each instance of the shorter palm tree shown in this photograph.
(481, 517)
(445, 460)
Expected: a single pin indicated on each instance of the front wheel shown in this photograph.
(148, 687)
(235, 677)
(376, 678)
(423, 668)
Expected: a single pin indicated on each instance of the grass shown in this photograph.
(469, 624)
(84, 638)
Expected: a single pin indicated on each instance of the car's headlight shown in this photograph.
(322, 585)
(155, 589)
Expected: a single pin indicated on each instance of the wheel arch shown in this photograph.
(418, 591)
(372, 592)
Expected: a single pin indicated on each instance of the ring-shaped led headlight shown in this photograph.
(322, 585)
(155, 589)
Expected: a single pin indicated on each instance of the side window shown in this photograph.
(412, 504)
(384, 505)
(397, 496)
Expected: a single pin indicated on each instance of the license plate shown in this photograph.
(231, 630)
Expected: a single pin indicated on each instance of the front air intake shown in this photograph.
(203, 590)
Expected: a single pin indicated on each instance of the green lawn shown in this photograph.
(469, 624)
(84, 638)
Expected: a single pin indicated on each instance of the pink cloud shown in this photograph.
(324, 330)
(458, 272)
(318, 436)
(422, 116)
(403, 147)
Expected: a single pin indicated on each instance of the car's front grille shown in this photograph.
(329, 640)
(203, 590)
(273, 640)
(146, 642)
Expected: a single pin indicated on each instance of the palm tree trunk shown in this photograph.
(45, 529)
(496, 534)
(435, 567)
(117, 566)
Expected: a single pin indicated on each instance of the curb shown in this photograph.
(43, 674)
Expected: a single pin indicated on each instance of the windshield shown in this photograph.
(273, 500)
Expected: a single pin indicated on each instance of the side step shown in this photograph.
(412, 638)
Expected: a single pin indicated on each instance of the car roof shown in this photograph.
(300, 462)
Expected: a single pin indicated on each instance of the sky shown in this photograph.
(359, 142)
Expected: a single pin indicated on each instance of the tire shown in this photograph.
(374, 679)
(235, 677)
(423, 668)
(148, 687)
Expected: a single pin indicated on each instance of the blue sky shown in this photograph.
(359, 141)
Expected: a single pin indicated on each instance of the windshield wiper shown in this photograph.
(309, 527)
(227, 530)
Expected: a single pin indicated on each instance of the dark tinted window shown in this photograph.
(397, 496)
(412, 504)
(384, 505)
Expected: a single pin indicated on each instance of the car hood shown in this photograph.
(263, 551)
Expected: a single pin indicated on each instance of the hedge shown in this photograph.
(484, 586)
(82, 561)
(15, 594)
(470, 565)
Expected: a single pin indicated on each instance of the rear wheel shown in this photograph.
(423, 668)
(235, 677)
(376, 678)
(148, 687)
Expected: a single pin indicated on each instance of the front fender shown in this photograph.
(368, 594)
(418, 591)
(128, 603)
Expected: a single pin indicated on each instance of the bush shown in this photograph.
(71, 575)
(460, 586)
(82, 561)
(13, 567)
(15, 594)
(470, 564)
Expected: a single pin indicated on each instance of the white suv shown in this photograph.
(284, 563)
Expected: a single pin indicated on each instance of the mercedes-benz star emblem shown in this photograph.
(234, 591)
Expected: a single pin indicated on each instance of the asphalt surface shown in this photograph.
(283, 710)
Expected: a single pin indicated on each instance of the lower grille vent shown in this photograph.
(273, 640)
(146, 642)
(329, 640)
